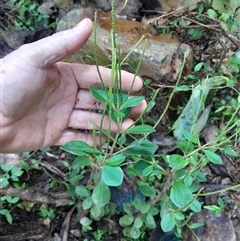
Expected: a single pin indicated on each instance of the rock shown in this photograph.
(169, 5)
(121, 7)
(215, 228)
(163, 55)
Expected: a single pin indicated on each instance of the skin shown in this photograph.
(41, 97)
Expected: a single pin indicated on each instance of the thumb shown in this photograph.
(54, 48)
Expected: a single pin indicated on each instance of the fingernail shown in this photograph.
(81, 25)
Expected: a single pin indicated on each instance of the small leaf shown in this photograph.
(81, 161)
(79, 148)
(213, 157)
(196, 225)
(99, 94)
(87, 203)
(140, 129)
(82, 191)
(150, 222)
(179, 216)
(5, 167)
(180, 194)
(101, 194)
(147, 171)
(147, 190)
(181, 88)
(142, 147)
(212, 14)
(133, 101)
(176, 161)
(138, 222)
(135, 232)
(85, 221)
(3, 212)
(126, 220)
(112, 176)
(167, 223)
(195, 206)
(95, 212)
(190, 137)
(145, 207)
(8, 216)
(116, 160)
(198, 67)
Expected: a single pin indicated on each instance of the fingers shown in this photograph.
(69, 135)
(86, 101)
(54, 48)
(81, 119)
(87, 75)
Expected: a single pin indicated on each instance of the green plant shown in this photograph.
(168, 183)
(28, 17)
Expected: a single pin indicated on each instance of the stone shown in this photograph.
(216, 227)
(163, 55)
(169, 5)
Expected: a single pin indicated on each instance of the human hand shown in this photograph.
(41, 97)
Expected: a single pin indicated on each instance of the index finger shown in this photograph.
(87, 76)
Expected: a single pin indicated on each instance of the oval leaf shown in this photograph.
(180, 194)
(112, 176)
(213, 157)
(101, 194)
(98, 94)
(167, 223)
(116, 160)
(141, 129)
(176, 161)
(133, 101)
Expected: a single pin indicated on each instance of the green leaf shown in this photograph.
(196, 225)
(229, 151)
(81, 161)
(135, 232)
(126, 220)
(138, 222)
(145, 207)
(190, 137)
(212, 14)
(147, 171)
(179, 216)
(142, 147)
(167, 223)
(133, 101)
(87, 203)
(195, 206)
(79, 148)
(116, 160)
(213, 157)
(8, 216)
(180, 194)
(96, 212)
(112, 176)
(82, 191)
(150, 222)
(3, 212)
(147, 190)
(181, 88)
(99, 94)
(176, 161)
(15, 200)
(85, 221)
(5, 167)
(140, 129)
(101, 194)
(198, 67)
